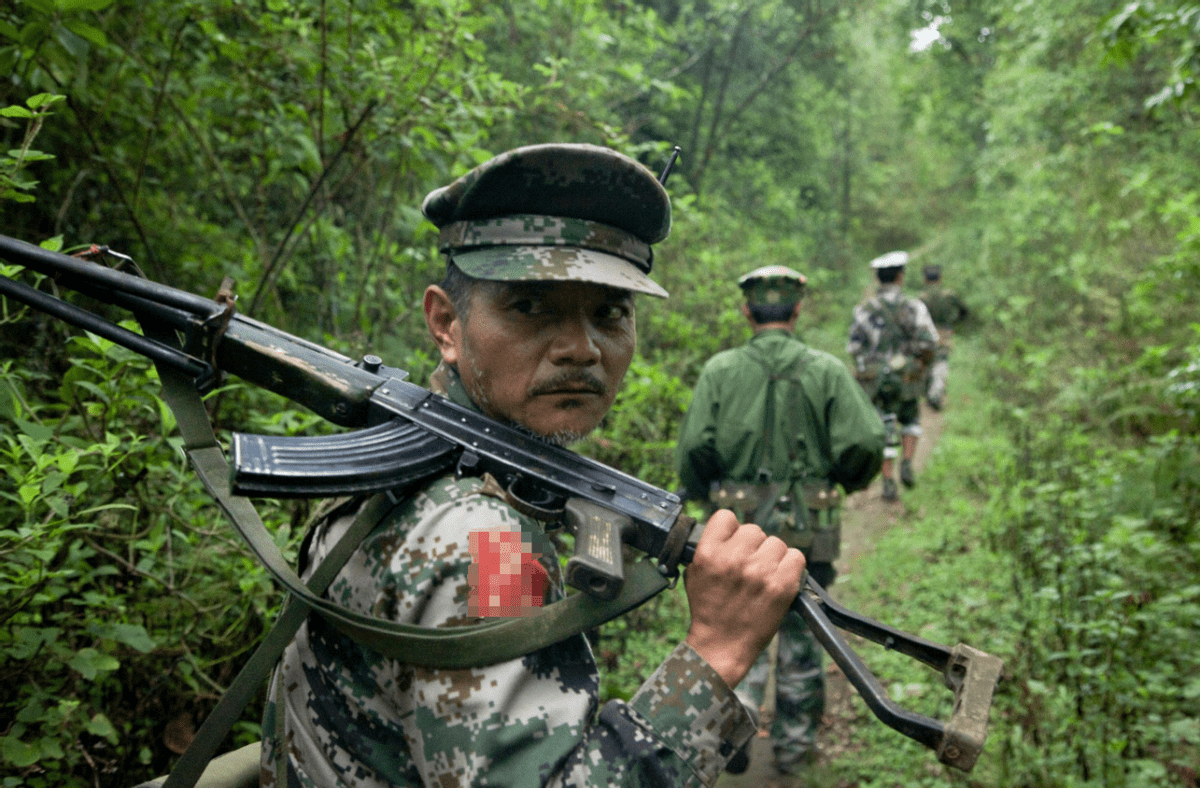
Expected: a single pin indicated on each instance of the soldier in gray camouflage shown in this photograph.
(546, 246)
(892, 342)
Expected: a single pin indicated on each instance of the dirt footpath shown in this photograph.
(865, 516)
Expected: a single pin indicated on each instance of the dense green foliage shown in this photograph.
(1043, 153)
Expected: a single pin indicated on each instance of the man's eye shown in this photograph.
(611, 313)
(529, 306)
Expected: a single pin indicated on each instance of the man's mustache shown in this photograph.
(578, 380)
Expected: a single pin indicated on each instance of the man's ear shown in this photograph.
(443, 322)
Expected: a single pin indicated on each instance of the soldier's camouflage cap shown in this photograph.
(890, 260)
(773, 284)
(555, 212)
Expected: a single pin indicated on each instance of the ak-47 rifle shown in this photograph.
(404, 434)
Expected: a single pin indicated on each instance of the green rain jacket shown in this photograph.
(824, 427)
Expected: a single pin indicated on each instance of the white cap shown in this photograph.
(890, 260)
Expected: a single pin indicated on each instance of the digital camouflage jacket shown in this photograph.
(339, 714)
(892, 338)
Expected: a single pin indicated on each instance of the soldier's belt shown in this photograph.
(815, 527)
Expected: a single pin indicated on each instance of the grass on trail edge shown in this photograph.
(932, 574)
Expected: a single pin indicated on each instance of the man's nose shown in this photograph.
(576, 341)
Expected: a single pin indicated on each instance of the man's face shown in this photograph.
(549, 356)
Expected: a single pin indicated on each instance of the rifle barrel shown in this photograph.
(55, 264)
(69, 313)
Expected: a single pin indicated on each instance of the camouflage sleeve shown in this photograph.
(680, 729)
(353, 717)
(927, 333)
(860, 333)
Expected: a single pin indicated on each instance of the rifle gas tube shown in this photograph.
(405, 433)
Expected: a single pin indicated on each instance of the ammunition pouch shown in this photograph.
(872, 376)
(897, 377)
(806, 516)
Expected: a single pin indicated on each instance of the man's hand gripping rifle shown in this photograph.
(405, 434)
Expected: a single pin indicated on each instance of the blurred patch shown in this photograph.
(505, 577)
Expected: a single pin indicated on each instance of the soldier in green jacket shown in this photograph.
(778, 432)
(947, 311)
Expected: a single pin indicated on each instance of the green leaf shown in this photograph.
(15, 112)
(32, 712)
(83, 5)
(18, 753)
(67, 461)
(101, 726)
(90, 663)
(132, 635)
(43, 100)
(50, 747)
(10, 405)
(30, 639)
(59, 505)
(35, 431)
(87, 32)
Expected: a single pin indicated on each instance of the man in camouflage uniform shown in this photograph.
(773, 430)
(546, 246)
(892, 342)
(947, 311)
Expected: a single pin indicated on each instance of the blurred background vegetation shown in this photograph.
(1044, 154)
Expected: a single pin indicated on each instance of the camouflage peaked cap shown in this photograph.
(933, 273)
(890, 260)
(773, 284)
(555, 212)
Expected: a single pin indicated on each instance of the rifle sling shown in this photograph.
(453, 648)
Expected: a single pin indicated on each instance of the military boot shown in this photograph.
(906, 473)
(890, 493)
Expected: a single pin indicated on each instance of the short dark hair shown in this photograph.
(771, 313)
(889, 275)
(458, 287)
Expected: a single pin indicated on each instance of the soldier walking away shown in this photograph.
(892, 342)
(546, 246)
(778, 432)
(947, 311)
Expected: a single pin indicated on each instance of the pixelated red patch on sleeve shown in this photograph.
(505, 577)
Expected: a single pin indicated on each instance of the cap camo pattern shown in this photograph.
(555, 212)
(773, 284)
